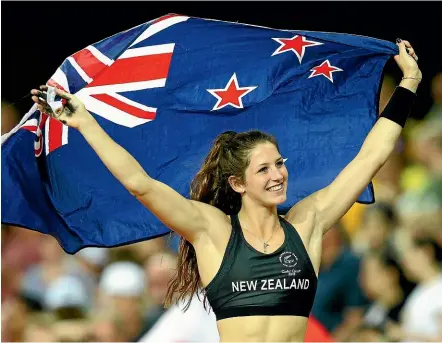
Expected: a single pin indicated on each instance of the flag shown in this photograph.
(164, 90)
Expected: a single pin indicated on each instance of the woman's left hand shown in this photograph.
(407, 61)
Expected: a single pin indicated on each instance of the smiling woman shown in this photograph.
(257, 269)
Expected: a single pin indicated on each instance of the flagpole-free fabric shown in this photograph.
(164, 90)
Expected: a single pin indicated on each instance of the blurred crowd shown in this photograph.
(98, 295)
(380, 277)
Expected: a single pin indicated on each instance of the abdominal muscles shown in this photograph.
(263, 329)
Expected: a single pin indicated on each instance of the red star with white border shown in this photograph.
(325, 69)
(231, 94)
(297, 44)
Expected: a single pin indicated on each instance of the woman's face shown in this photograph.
(266, 177)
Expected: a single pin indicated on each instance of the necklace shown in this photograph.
(265, 243)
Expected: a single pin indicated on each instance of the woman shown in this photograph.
(258, 271)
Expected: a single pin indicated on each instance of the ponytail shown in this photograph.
(210, 184)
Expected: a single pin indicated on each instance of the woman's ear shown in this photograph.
(236, 184)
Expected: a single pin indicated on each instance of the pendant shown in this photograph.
(265, 246)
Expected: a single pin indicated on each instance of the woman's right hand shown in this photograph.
(73, 113)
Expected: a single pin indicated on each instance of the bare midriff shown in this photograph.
(263, 329)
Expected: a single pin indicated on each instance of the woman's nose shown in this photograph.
(276, 174)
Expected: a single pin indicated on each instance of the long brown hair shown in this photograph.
(230, 155)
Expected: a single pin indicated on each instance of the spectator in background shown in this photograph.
(67, 298)
(384, 283)
(87, 266)
(107, 325)
(92, 261)
(14, 318)
(426, 145)
(144, 250)
(39, 329)
(159, 269)
(368, 334)
(122, 285)
(421, 315)
(378, 221)
(53, 264)
(420, 206)
(436, 92)
(20, 250)
(139, 252)
(339, 302)
(419, 211)
(71, 331)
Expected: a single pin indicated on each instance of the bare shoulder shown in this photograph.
(212, 214)
(216, 223)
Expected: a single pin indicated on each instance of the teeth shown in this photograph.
(275, 188)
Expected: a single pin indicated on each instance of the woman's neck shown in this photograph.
(260, 220)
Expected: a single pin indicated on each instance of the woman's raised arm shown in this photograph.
(186, 217)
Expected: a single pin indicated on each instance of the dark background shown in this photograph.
(38, 36)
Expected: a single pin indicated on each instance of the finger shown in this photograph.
(38, 93)
(43, 108)
(413, 54)
(407, 43)
(63, 94)
(39, 99)
(35, 99)
(44, 87)
(402, 48)
(41, 95)
(410, 51)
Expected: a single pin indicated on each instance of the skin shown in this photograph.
(208, 229)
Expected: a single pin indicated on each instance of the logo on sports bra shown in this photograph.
(289, 260)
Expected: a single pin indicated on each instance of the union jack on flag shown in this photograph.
(164, 90)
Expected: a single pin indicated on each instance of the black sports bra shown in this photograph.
(251, 283)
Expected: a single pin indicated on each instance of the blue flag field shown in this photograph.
(164, 90)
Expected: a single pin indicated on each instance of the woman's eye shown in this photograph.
(279, 163)
(262, 170)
